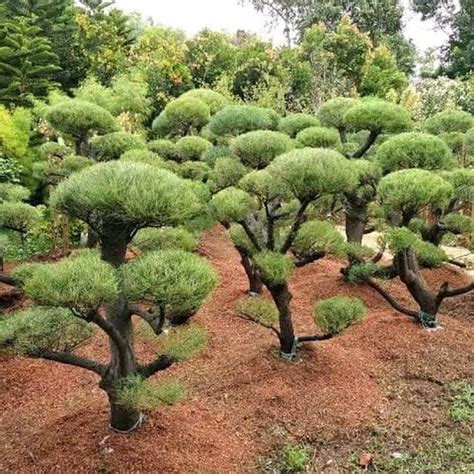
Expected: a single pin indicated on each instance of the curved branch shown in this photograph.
(390, 299)
(70, 359)
(250, 235)
(248, 317)
(365, 147)
(298, 221)
(155, 320)
(162, 362)
(302, 261)
(316, 337)
(446, 292)
(111, 331)
(9, 280)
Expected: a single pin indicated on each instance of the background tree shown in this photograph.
(402, 195)
(27, 63)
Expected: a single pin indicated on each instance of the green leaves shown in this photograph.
(18, 216)
(134, 194)
(166, 238)
(295, 123)
(191, 148)
(310, 173)
(319, 137)
(409, 191)
(414, 150)
(261, 310)
(177, 281)
(378, 116)
(78, 118)
(275, 268)
(449, 121)
(83, 282)
(333, 315)
(36, 329)
(318, 237)
(238, 119)
(232, 205)
(257, 149)
(112, 145)
(184, 342)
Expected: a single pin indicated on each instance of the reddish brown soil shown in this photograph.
(243, 401)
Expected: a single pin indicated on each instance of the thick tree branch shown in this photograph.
(446, 292)
(8, 280)
(302, 261)
(156, 320)
(270, 228)
(250, 235)
(70, 359)
(162, 362)
(298, 221)
(390, 299)
(316, 337)
(365, 147)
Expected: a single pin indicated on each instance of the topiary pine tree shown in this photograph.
(375, 117)
(267, 215)
(78, 120)
(402, 195)
(116, 199)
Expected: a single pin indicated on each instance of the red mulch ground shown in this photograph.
(243, 401)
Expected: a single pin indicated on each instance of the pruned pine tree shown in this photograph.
(268, 216)
(97, 290)
(402, 195)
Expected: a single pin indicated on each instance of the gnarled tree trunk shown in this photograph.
(281, 296)
(255, 282)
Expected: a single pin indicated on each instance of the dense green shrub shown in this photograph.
(164, 148)
(166, 238)
(293, 124)
(143, 156)
(113, 145)
(333, 315)
(215, 101)
(182, 116)
(13, 192)
(227, 172)
(318, 237)
(257, 149)
(195, 170)
(232, 205)
(414, 150)
(238, 119)
(261, 310)
(79, 119)
(192, 148)
(449, 121)
(274, 267)
(454, 140)
(54, 150)
(18, 216)
(319, 137)
(333, 112)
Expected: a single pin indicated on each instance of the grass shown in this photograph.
(462, 409)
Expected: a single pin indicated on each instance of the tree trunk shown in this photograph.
(282, 297)
(255, 282)
(356, 221)
(417, 287)
(114, 241)
(92, 239)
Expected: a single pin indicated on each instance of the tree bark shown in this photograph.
(255, 282)
(282, 297)
(365, 147)
(114, 241)
(356, 220)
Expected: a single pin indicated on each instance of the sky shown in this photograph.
(228, 15)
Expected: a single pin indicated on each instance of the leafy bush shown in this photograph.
(140, 394)
(293, 124)
(164, 148)
(414, 150)
(112, 145)
(257, 149)
(226, 173)
(333, 112)
(182, 117)
(429, 255)
(311, 173)
(459, 223)
(54, 149)
(454, 140)
(318, 137)
(295, 458)
(78, 118)
(194, 170)
(166, 238)
(449, 121)
(36, 329)
(232, 205)
(238, 119)
(407, 191)
(274, 267)
(82, 282)
(333, 315)
(175, 280)
(261, 310)
(215, 101)
(143, 157)
(185, 342)
(318, 237)
(378, 116)
(13, 192)
(18, 216)
(192, 148)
